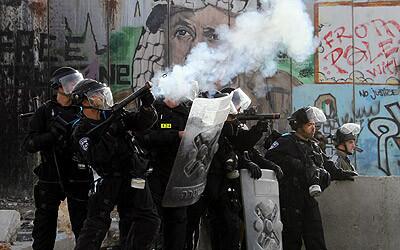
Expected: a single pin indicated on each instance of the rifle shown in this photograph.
(118, 107)
(250, 115)
(36, 105)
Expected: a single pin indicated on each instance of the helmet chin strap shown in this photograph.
(346, 149)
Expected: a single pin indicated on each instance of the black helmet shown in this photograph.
(227, 90)
(346, 132)
(306, 115)
(65, 77)
(88, 88)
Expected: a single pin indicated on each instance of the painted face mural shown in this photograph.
(162, 45)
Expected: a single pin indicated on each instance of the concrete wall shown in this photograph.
(362, 215)
(353, 76)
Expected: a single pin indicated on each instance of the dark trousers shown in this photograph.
(223, 214)
(48, 197)
(302, 224)
(139, 220)
(173, 219)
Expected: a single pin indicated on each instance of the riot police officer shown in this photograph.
(59, 176)
(163, 142)
(112, 152)
(303, 166)
(345, 144)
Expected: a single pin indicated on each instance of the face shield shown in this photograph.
(68, 82)
(240, 100)
(350, 128)
(100, 98)
(315, 115)
(232, 109)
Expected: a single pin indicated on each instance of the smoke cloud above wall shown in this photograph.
(251, 44)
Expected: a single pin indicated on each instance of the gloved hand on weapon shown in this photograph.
(254, 169)
(147, 99)
(117, 128)
(261, 126)
(58, 130)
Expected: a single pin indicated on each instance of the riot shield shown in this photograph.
(198, 146)
(261, 211)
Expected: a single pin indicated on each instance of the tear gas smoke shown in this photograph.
(252, 44)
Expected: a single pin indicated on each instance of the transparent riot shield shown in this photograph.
(198, 146)
(261, 211)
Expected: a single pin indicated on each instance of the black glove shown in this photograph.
(147, 99)
(117, 128)
(278, 171)
(338, 173)
(254, 169)
(58, 130)
(325, 179)
(261, 126)
(346, 175)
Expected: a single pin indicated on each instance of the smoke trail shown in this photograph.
(251, 45)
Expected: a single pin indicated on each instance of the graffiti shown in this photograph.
(385, 129)
(74, 53)
(381, 92)
(370, 47)
(327, 103)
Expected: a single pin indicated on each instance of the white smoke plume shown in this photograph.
(251, 45)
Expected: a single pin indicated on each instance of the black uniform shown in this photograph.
(112, 155)
(220, 200)
(163, 143)
(59, 176)
(299, 211)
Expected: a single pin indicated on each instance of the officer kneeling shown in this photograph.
(111, 153)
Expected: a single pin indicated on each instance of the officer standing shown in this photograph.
(163, 142)
(112, 153)
(345, 144)
(302, 163)
(59, 176)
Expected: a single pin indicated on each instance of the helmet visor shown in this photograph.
(100, 98)
(350, 128)
(315, 115)
(68, 82)
(240, 100)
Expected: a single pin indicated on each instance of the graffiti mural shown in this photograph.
(376, 109)
(363, 50)
(125, 42)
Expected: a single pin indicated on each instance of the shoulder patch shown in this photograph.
(84, 143)
(274, 145)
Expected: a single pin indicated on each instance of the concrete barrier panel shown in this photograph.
(9, 223)
(362, 215)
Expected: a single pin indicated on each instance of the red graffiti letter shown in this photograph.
(328, 42)
(334, 59)
(387, 52)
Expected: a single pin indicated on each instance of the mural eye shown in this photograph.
(182, 33)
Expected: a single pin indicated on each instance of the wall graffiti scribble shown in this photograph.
(384, 129)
